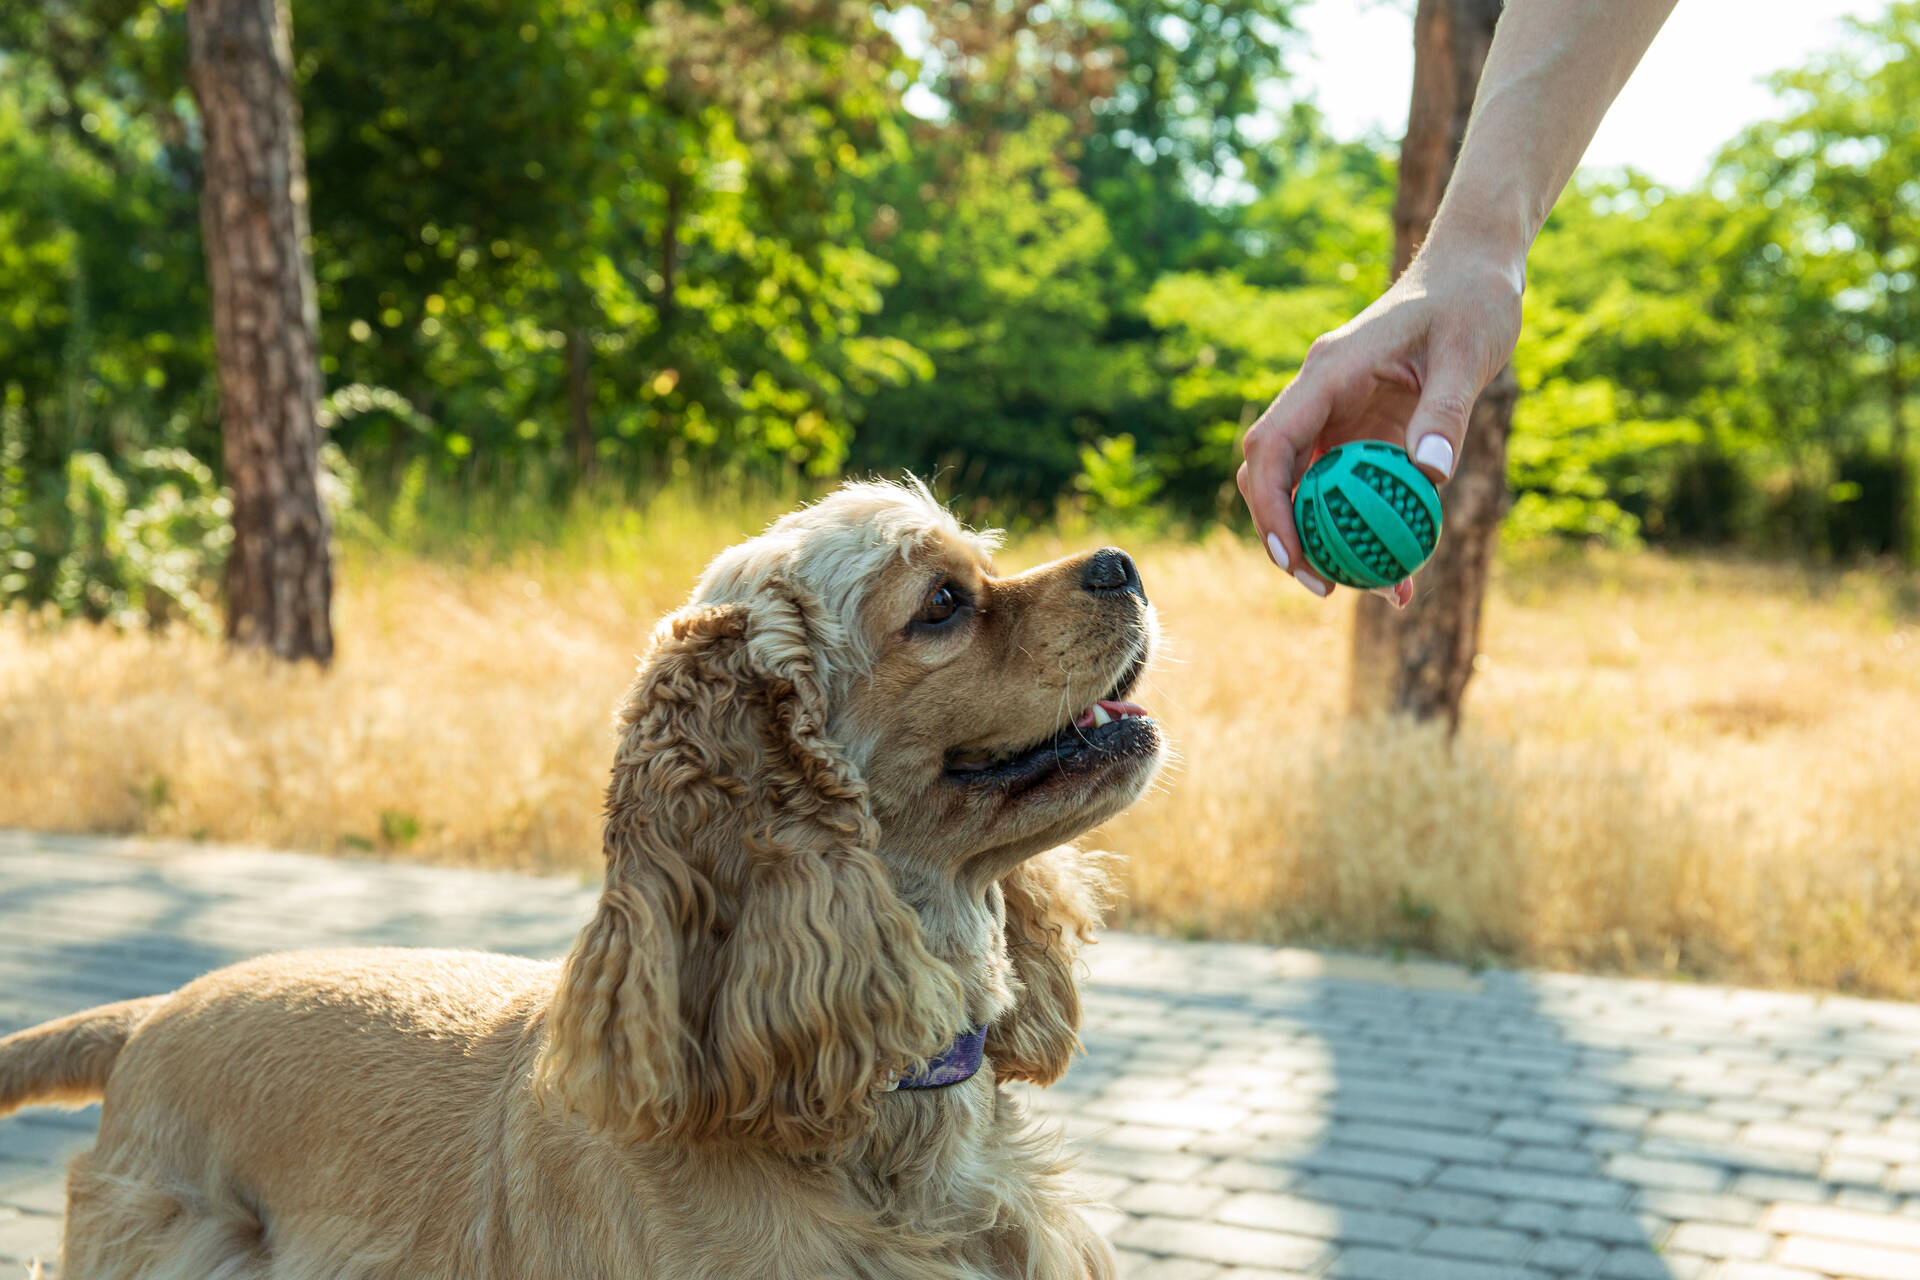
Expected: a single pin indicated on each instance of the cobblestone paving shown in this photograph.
(1249, 1113)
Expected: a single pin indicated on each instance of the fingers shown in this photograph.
(1439, 423)
(1288, 562)
(1274, 446)
(1399, 595)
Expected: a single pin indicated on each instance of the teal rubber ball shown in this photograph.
(1367, 516)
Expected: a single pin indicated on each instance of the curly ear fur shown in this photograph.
(750, 971)
(1053, 905)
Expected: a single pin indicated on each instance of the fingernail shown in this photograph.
(1435, 451)
(1311, 583)
(1278, 552)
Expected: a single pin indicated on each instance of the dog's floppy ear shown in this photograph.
(750, 971)
(1053, 904)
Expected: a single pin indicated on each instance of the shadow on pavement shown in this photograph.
(1317, 1116)
(1282, 1112)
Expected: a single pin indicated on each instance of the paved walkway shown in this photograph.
(1250, 1113)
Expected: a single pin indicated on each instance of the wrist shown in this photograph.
(1489, 214)
(1485, 241)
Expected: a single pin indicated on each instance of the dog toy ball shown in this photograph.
(1367, 516)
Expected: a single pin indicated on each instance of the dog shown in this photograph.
(839, 915)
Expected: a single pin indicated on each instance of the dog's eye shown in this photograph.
(941, 606)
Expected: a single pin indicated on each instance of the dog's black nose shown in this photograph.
(1111, 569)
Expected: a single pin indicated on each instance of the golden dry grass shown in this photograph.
(1675, 766)
(1671, 765)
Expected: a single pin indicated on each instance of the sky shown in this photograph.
(1698, 85)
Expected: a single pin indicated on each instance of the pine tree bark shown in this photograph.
(253, 207)
(1417, 661)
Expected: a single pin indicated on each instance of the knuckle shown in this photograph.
(1451, 402)
(1255, 444)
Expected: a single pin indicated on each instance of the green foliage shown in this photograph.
(1173, 131)
(1004, 266)
(1836, 179)
(1319, 244)
(19, 543)
(1118, 483)
(137, 544)
(398, 829)
(103, 324)
(697, 295)
(1163, 94)
(1700, 364)
(1576, 451)
(567, 248)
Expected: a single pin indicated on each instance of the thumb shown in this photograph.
(1439, 423)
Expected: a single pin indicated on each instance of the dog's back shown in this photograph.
(282, 1081)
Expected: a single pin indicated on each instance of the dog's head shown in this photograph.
(854, 714)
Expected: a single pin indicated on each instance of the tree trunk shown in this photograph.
(1417, 661)
(279, 577)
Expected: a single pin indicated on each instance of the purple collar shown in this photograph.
(957, 1062)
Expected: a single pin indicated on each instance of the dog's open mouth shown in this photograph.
(1110, 729)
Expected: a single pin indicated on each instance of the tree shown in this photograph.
(621, 234)
(279, 575)
(1164, 96)
(1004, 269)
(1840, 169)
(1418, 660)
(104, 328)
(1317, 247)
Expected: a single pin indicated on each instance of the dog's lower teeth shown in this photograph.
(1095, 717)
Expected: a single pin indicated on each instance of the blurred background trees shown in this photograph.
(1060, 250)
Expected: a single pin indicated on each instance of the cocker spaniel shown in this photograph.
(837, 918)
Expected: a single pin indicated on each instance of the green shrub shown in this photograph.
(131, 541)
(1117, 483)
(143, 540)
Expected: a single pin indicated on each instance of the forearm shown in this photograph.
(1553, 69)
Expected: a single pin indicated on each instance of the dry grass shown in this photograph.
(1671, 766)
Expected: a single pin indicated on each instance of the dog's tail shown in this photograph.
(67, 1062)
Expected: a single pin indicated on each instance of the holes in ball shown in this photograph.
(1360, 539)
(1401, 497)
(1314, 538)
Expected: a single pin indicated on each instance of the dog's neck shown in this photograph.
(925, 1139)
(965, 926)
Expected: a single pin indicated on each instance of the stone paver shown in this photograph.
(1246, 1112)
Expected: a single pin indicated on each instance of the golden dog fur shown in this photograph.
(801, 901)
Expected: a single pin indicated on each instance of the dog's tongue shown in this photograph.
(1115, 710)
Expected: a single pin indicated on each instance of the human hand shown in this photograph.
(1407, 370)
